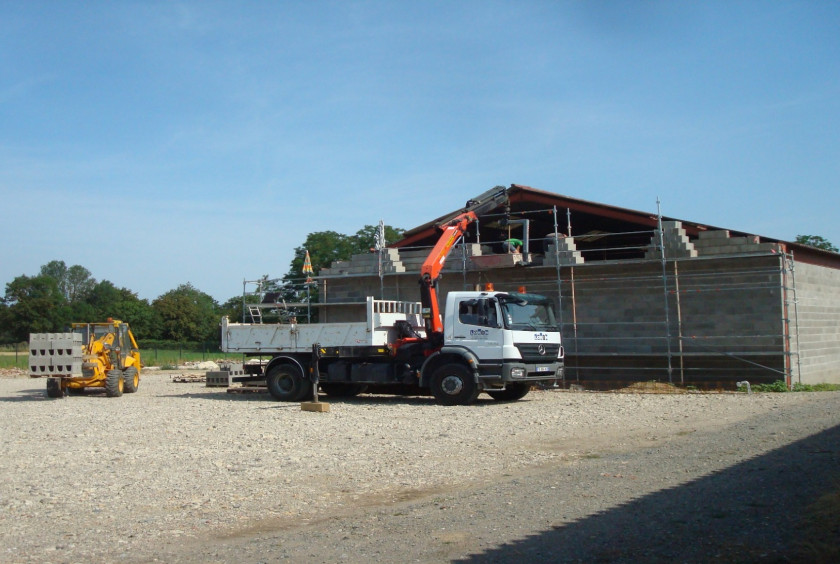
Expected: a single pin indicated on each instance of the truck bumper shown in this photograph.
(526, 372)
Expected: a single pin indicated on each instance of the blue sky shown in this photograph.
(160, 143)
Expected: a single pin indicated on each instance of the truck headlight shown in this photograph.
(517, 372)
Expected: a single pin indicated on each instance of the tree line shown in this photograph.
(58, 295)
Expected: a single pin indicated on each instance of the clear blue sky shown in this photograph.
(159, 143)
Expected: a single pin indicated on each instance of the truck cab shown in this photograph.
(507, 341)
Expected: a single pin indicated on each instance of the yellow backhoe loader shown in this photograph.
(93, 355)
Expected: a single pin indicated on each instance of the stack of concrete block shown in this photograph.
(55, 354)
(413, 260)
(719, 242)
(366, 264)
(675, 240)
(562, 249)
(223, 377)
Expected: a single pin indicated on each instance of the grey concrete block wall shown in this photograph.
(727, 318)
(817, 314)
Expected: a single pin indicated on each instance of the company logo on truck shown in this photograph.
(479, 332)
(540, 336)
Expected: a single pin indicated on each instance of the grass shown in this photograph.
(780, 386)
(155, 357)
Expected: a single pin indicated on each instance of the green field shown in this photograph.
(154, 357)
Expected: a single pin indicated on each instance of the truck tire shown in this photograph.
(342, 389)
(512, 392)
(286, 383)
(114, 383)
(453, 384)
(54, 388)
(131, 380)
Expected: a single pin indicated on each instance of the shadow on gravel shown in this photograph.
(747, 513)
(28, 395)
(361, 400)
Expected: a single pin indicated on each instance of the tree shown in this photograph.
(121, 303)
(326, 247)
(34, 305)
(74, 282)
(816, 241)
(187, 314)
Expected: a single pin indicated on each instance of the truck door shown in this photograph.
(478, 328)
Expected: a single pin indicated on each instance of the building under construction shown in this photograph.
(640, 296)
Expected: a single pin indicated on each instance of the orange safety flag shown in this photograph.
(307, 268)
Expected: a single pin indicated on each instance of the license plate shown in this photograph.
(543, 369)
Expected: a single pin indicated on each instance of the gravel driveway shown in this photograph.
(179, 472)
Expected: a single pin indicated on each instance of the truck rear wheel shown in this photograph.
(453, 384)
(131, 380)
(512, 392)
(114, 383)
(286, 383)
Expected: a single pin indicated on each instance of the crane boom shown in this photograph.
(452, 231)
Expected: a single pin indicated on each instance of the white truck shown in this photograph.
(496, 342)
(500, 343)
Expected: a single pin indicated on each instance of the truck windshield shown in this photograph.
(527, 311)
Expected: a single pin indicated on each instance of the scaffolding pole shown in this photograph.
(664, 287)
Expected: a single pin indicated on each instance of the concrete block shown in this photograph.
(316, 406)
(218, 379)
(716, 234)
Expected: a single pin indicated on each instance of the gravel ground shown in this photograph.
(179, 472)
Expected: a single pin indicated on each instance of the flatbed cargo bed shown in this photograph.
(378, 329)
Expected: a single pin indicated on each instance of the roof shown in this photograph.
(608, 232)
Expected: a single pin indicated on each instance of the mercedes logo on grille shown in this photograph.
(541, 350)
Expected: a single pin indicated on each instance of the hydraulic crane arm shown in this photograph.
(453, 230)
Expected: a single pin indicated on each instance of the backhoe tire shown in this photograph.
(131, 380)
(454, 384)
(286, 383)
(114, 383)
(512, 392)
(342, 389)
(54, 388)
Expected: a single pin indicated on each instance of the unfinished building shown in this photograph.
(640, 297)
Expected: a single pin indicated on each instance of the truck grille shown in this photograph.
(531, 351)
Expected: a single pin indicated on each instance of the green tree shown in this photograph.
(326, 247)
(187, 314)
(106, 300)
(34, 305)
(816, 241)
(74, 282)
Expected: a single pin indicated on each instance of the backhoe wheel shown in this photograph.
(131, 380)
(453, 384)
(54, 388)
(286, 383)
(114, 383)
(512, 392)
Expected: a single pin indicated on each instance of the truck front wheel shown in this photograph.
(286, 383)
(453, 384)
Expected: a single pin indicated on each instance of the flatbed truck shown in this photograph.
(501, 343)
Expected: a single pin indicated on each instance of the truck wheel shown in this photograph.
(114, 383)
(453, 384)
(54, 388)
(286, 383)
(131, 380)
(512, 392)
(342, 389)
